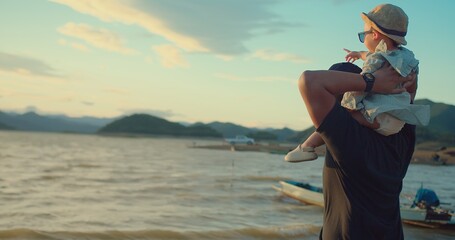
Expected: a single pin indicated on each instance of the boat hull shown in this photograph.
(433, 218)
(301, 194)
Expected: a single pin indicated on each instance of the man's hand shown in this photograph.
(387, 80)
(411, 85)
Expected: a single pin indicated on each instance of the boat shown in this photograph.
(300, 191)
(425, 211)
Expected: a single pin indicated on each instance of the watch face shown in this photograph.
(369, 76)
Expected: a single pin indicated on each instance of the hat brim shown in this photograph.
(398, 39)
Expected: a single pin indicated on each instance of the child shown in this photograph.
(385, 28)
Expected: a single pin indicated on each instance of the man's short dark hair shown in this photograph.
(345, 67)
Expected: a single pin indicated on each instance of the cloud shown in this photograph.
(97, 37)
(231, 77)
(125, 12)
(87, 103)
(220, 27)
(25, 66)
(170, 56)
(270, 55)
(77, 46)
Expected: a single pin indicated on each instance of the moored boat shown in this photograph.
(302, 192)
(425, 210)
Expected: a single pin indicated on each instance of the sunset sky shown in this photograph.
(197, 60)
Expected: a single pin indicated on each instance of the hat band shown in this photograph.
(389, 31)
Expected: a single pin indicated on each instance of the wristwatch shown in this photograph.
(369, 80)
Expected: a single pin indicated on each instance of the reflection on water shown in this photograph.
(61, 186)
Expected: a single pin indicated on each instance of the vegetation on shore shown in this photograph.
(5, 127)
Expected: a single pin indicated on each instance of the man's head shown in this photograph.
(385, 21)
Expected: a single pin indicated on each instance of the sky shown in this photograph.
(192, 61)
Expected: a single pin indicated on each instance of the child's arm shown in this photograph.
(354, 55)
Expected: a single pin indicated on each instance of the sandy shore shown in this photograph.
(425, 153)
(434, 153)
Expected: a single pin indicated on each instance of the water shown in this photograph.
(64, 186)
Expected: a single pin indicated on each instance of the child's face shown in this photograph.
(370, 41)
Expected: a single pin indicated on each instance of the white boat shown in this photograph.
(302, 192)
(432, 217)
(426, 211)
(416, 214)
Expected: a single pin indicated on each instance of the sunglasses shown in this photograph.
(363, 34)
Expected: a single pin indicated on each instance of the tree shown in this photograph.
(262, 135)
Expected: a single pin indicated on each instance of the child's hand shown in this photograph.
(352, 55)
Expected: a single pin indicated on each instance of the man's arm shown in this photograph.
(319, 88)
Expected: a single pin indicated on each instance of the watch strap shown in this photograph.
(369, 80)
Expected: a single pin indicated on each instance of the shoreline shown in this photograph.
(422, 154)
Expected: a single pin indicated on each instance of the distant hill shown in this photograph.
(34, 122)
(302, 135)
(92, 121)
(442, 123)
(147, 124)
(282, 134)
(442, 116)
(441, 127)
(5, 127)
(229, 130)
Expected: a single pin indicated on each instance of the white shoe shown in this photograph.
(301, 154)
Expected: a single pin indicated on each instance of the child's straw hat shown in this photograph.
(389, 20)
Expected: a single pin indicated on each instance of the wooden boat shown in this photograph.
(302, 192)
(420, 213)
(426, 211)
(432, 218)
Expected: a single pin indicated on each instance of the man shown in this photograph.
(363, 170)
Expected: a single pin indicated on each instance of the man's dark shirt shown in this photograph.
(362, 178)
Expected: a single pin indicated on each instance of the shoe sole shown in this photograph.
(301, 160)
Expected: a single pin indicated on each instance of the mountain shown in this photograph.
(282, 134)
(33, 122)
(441, 127)
(229, 130)
(442, 116)
(147, 124)
(5, 127)
(302, 135)
(86, 120)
